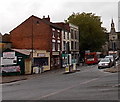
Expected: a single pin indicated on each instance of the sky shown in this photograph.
(14, 12)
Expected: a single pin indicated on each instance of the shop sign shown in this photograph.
(8, 54)
(55, 53)
(41, 55)
(8, 58)
(87, 51)
(10, 69)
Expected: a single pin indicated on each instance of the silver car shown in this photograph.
(112, 59)
(105, 63)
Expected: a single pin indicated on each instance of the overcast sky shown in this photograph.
(14, 12)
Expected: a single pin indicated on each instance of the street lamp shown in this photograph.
(32, 42)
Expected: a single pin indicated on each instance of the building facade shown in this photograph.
(39, 35)
(113, 39)
(119, 16)
(70, 44)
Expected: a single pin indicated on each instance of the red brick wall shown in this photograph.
(21, 36)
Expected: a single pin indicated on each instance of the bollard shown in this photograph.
(74, 66)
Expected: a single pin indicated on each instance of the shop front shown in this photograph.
(14, 61)
(42, 59)
(55, 60)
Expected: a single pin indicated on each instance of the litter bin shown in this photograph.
(36, 70)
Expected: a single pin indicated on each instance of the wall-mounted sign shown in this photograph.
(8, 58)
(40, 55)
(10, 69)
(8, 54)
(55, 53)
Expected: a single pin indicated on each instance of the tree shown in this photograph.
(92, 35)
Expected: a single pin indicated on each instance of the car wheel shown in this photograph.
(99, 67)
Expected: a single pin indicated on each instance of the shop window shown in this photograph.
(43, 61)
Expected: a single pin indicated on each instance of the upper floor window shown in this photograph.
(53, 34)
(53, 46)
(58, 46)
(75, 45)
(68, 35)
(64, 35)
(53, 29)
(75, 34)
(72, 45)
(58, 30)
(58, 35)
(72, 33)
(64, 45)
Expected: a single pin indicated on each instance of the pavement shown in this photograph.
(113, 69)
(9, 79)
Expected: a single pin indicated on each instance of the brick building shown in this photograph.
(70, 44)
(39, 35)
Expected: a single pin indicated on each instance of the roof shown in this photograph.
(47, 22)
(23, 51)
(43, 20)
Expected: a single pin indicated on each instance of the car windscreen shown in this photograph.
(105, 60)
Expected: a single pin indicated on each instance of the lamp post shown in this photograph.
(32, 47)
(32, 41)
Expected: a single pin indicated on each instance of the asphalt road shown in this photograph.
(88, 84)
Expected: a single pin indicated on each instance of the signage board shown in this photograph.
(10, 69)
(40, 55)
(55, 53)
(8, 58)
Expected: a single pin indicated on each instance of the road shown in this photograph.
(88, 84)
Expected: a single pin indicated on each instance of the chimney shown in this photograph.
(46, 18)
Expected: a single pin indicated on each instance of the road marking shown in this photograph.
(68, 88)
(63, 90)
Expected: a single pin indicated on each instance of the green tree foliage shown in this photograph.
(92, 35)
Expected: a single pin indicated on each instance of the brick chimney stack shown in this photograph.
(46, 18)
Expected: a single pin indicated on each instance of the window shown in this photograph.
(72, 45)
(72, 36)
(58, 47)
(75, 45)
(64, 35)
(43, 61)
(53, 46)
(75, 34)
(64, 44)
(58, 35)
(53, 36)
(53, 29)
(68, 35)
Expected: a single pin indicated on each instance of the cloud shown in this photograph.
(14, 12)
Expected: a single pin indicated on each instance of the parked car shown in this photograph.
(112, 59)
(105, 63)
